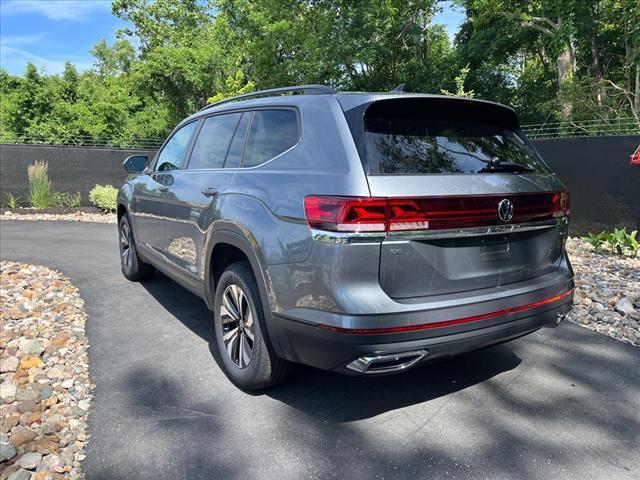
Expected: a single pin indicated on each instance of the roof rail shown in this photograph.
(272, 92)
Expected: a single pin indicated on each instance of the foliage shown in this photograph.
(352, 45)
(460, 91)
(235, 85)
(564, 60)
(553, 61)
(13, 201)
(41, 194)
(70, 200)
(617, 242)
(104, 197)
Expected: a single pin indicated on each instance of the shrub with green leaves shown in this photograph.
(104, 197)
(618, 242)
(71, 200)
(597, 241)
(12, 201)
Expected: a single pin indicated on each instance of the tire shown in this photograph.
(132, 267)
(259, 367)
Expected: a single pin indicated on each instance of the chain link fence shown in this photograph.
(583, 128)
(85, 140)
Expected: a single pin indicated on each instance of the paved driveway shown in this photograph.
(561, 403)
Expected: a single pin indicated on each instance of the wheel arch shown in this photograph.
(121, 211)
(233, 244)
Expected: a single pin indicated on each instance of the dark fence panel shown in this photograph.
(604, 186)
(71, 169)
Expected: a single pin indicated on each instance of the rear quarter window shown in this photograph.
(272, 133)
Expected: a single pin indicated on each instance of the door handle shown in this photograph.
(209, 192)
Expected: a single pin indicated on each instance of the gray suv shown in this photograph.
(363, 233)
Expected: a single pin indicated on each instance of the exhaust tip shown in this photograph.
(387, 363)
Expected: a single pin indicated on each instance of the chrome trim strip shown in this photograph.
(474, 231)
(345, 238)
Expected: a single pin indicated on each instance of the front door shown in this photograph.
(197, 189)
(152, 191)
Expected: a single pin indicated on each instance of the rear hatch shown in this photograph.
(478, 206)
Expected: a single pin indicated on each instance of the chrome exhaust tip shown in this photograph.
(387, 363)
(561, 318)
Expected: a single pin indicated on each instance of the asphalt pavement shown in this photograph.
(560, 403)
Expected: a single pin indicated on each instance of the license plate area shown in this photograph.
(495, 248)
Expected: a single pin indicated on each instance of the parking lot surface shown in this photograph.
(562, 403)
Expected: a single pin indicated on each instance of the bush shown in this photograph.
(70, 200)
(41, 195)
(104, 197)
(618, 242)
(13, 201)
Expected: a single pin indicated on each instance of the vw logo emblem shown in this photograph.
(505, 210)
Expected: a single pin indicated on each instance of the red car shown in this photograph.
(635, 157)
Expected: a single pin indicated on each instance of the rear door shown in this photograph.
(484, 209)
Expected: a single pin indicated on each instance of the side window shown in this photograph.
(172, 154)
(212, 143)
(272, 132)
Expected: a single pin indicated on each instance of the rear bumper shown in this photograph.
(352, 352)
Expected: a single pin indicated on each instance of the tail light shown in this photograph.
(346, 214)
(561, 204)
(375, 214)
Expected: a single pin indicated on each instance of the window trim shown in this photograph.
(233, 136)
(187, 151)
(250, 110)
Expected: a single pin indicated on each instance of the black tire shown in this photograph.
(132, 267)
(262, 368)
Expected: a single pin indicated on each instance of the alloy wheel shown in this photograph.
(125, 245)
(237, 325)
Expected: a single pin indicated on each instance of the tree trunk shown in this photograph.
(565, 74)
(544, 59)
(602, 91)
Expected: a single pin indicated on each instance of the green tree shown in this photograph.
(368, 45)
(555, 60)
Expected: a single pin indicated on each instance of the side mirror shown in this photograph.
(135, 163)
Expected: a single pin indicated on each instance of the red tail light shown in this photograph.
(374, 214)
(346, 214)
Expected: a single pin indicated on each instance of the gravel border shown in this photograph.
(45, 392)
(52, 210)
(607, 295)
(78, 216)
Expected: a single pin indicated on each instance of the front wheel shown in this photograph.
(246, 354)
(132, 267)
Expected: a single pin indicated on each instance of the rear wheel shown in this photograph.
(132, 267)
(246, 354)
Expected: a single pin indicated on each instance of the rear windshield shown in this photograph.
(443, 141)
